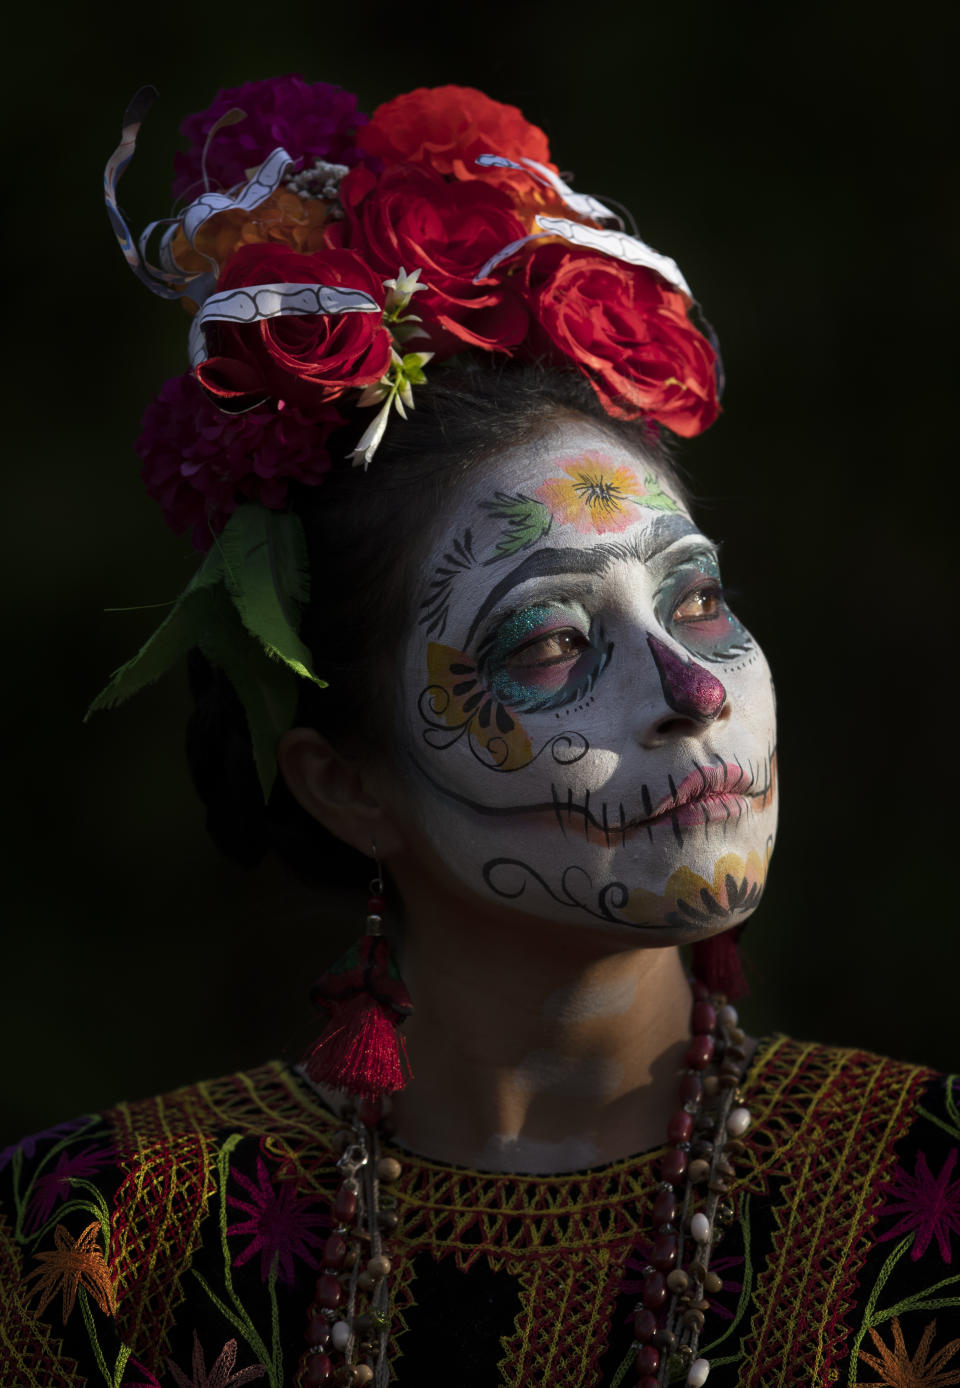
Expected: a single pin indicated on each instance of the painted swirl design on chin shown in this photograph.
(691, 902)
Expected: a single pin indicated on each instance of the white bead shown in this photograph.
(738, 1122)
(727, 1015)
(340, 1335)
(697, 1374)
(700, 1227)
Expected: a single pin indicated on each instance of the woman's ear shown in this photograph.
(336, 792)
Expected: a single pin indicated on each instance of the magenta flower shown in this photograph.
(631, 1282)
(54, 1186)
(310, 120)
(199, 462)
(281, 1224)
(927, 1205)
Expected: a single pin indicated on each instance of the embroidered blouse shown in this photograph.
(177, 1242)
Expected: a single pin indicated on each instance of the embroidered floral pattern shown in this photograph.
(928, 1206)
(281, 1223)
(54, 1185)
(221, 1372)
(597, 495)
(899, 1369)
(70, 1265)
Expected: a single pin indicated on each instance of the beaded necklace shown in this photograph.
(348, 1323)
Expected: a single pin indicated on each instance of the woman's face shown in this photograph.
(589, 728)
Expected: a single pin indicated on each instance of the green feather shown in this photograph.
(267, 576)
(179, 631)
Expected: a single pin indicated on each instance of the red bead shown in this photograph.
(664, 1208)
(644, 1325)
(699, 1052)
(673, 1165)
(648, 1360)
(664, 1254)
(376, 906)
(653, 1291)
(316, 1371)
(370, 1111)
(318, 1330)
(691, 1088)
(329, 1290)
(648, 1381)
(334, 1251)
(704, 1017)
(680, 1127)
(700, 990)
(344, 1205)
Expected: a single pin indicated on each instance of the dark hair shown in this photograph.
(362, 534)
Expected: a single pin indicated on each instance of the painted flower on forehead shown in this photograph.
(597, 494)
(445, 128)
(627, 332)
(313, 120)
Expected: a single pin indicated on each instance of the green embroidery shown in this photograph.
(527, 520)
(922, 1301)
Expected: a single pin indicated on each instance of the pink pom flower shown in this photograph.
(311, 120)
(200, 463)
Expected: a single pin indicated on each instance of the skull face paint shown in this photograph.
(591, 728)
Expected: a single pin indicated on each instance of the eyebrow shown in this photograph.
(548, 563)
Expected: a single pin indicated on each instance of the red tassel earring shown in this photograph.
(365, 1000)
(716, 963)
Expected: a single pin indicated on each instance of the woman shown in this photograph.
(493, 663)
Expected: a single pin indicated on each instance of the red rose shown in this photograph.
(445, 128)
(629, 334)
(412, 219)
(302, 359)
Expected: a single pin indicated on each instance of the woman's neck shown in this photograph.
(532, 1047)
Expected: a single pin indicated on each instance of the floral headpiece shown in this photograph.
(325, 260)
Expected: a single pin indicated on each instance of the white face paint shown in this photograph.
(592, 729)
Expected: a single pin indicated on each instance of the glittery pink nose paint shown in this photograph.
(687, 687)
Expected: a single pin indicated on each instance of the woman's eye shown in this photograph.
(699, 605)
(553, 648)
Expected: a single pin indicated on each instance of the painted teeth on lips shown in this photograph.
(709, 790)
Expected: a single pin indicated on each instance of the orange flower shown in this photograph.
(598, 495)
(897, 1369)
(283, 217)
(71, 1265)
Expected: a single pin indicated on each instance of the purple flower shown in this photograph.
(55, 1185)
(199, 462)
(280, 1222)
(28, 1145)
(311, 120)
(927, 1205)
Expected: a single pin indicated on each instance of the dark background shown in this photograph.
(799, 164)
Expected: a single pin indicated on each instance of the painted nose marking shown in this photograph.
(687, 687)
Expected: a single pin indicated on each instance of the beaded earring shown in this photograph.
(365, 1000)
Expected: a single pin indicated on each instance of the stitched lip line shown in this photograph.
(711, 795)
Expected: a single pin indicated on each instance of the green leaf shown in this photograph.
(266, 688)
(266, 573)
(179, 631)
(527, 520)
(654, 496)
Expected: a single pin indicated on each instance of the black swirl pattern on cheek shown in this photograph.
(509, 878)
